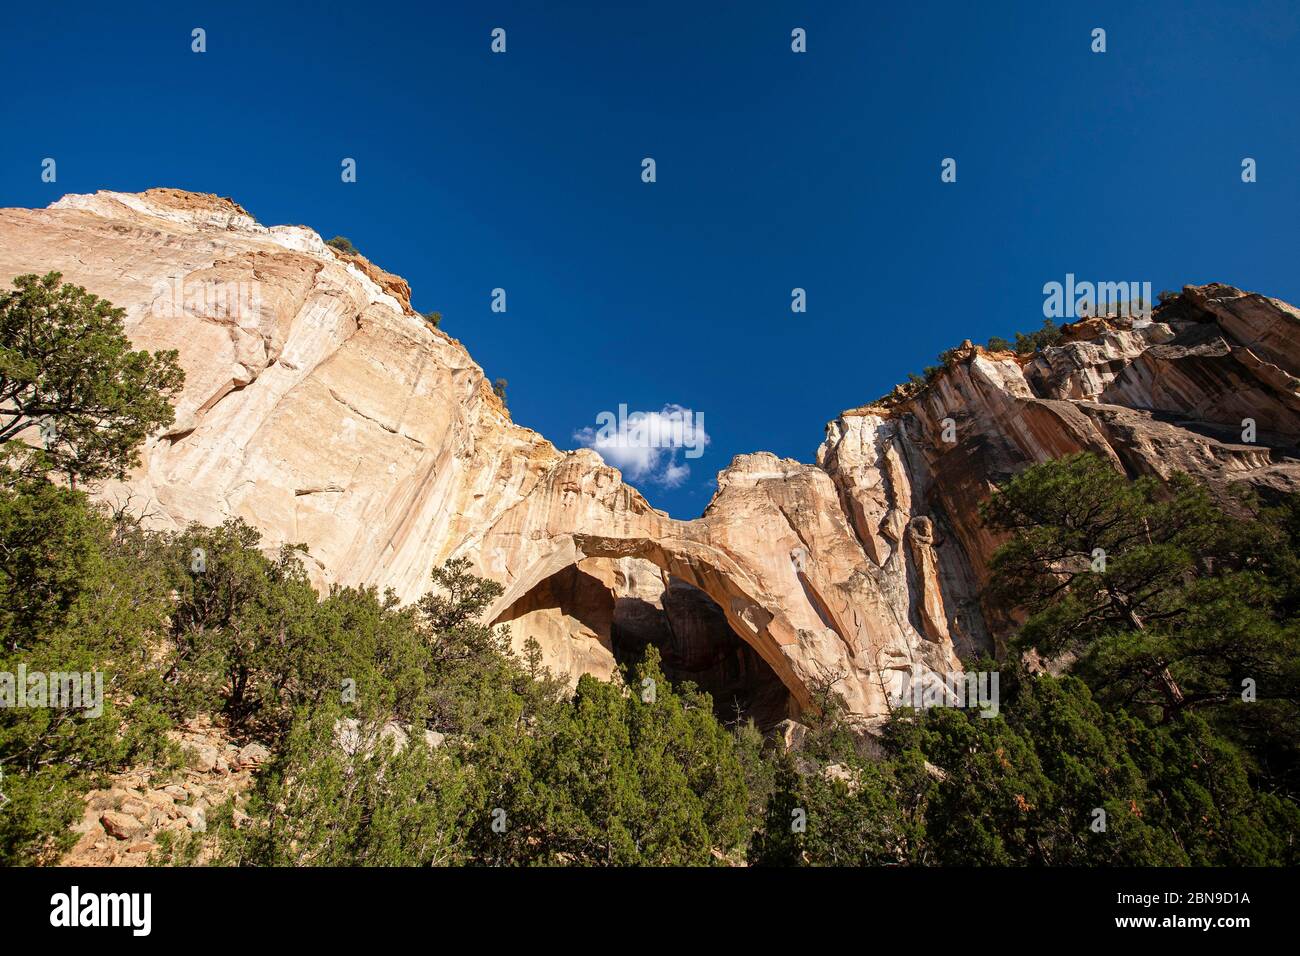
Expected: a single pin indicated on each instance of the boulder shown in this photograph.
(121, 826)
(195, 816)
(201, 756)
(253, 755)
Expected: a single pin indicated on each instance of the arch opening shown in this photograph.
(697, 644)
(601, 613)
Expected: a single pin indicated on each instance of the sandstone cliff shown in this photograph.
(322, 409)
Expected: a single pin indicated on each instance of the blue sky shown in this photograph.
(775, 170)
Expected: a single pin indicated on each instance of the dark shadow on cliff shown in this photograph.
(696, 644)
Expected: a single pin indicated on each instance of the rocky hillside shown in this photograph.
(321, 408)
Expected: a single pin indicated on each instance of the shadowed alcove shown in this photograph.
(602, 614)
(696, 644)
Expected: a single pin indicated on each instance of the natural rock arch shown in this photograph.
(699, 565)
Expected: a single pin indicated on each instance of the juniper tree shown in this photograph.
(1105, 566)
(1165, 602)
(70, 380)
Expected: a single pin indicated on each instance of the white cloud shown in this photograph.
(648, 446)
(675, 474)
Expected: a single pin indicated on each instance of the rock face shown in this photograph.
(319, 407)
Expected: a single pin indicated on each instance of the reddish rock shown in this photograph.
(120, 826)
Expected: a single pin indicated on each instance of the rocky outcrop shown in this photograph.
(125, 822)
(1171, 393)
(319, 407)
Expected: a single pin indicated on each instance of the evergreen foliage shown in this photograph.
(419, 735)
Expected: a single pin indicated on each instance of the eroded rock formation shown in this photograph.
(322, 409)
